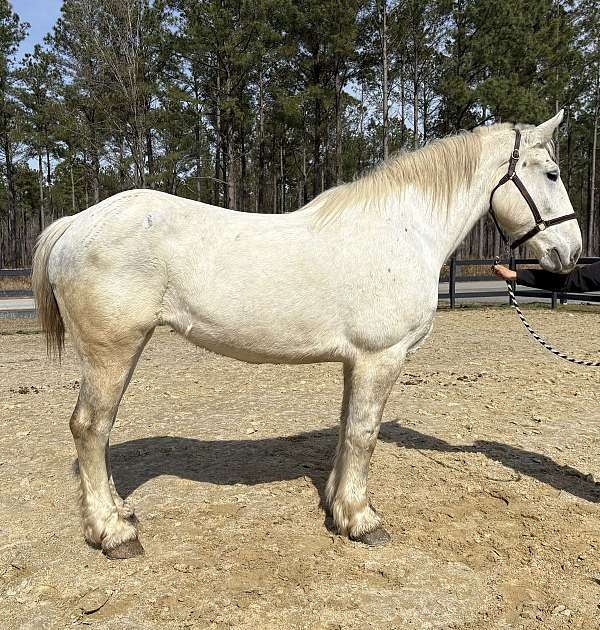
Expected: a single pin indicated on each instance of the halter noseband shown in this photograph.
(540, 224)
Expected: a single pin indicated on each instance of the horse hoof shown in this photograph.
(375, 538)
(128, 549)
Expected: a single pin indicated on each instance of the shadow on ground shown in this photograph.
(250, 462)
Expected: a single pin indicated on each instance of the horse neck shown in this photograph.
(455, 223)
(447, 226)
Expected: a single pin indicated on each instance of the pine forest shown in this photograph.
(259, 105)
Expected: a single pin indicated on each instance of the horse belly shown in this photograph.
(241, 331)
(254, 346)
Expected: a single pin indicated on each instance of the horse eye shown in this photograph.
(553, 176)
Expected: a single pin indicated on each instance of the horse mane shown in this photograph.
(438, 169)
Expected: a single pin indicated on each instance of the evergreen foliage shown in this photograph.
(259, 105)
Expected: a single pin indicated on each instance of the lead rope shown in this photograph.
(541, 340)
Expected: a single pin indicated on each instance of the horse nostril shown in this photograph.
(556, 257)
(575, 256)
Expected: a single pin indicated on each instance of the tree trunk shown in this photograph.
(569, 181)
(338, 128)
(86, 184)
(261, 196)
(317, 180)
(73, 204)
(231, 170)
(402, 104)
(49, 184)
(11, 203)
(281, 179)
(198, 158)
(361, 127)
(326, 172)
(218, 179)
(425, 114)
(24, 248)
(150, 156)
(242, 203)
(95, 159)
(42, 219)
(592, 197)
(415, 100)
(274, 191)
(384, 78)
(304, 176)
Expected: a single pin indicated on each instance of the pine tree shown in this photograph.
(12, 32)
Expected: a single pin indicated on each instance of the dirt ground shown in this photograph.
(484, 472)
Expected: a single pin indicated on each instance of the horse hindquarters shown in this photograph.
(110, 309)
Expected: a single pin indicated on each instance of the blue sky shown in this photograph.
(41, 14)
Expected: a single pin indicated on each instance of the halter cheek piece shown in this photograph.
(540, 224)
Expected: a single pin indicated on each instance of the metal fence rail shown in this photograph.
(454, 276)
(5, 273)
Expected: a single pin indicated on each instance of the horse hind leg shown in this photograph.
(124, 507)
(106, 370)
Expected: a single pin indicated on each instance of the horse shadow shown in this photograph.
(309, 454)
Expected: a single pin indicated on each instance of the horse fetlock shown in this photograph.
(126, 511)
(92, 533)
(95, 524)
(117, 532)
(366, 527)
(124, 508)
(354, 519)
(330, 490)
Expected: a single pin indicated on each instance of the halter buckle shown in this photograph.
(541, 226)
(515, 154)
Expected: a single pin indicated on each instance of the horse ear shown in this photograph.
(545, 131)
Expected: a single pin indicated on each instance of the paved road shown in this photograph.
(16, 304)
(17, 307)
(475, 287)
(13, 306)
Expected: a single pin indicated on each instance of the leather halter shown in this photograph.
(540, 224)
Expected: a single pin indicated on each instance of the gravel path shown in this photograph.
(484, 472)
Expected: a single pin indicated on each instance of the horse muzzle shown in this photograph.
(559, 260)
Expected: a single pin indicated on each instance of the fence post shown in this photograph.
(452, 282)
(553, 300)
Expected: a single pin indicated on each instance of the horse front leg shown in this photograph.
(367, 384)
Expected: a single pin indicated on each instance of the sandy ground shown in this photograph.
(484, 471)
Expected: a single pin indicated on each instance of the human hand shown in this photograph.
(504, 273)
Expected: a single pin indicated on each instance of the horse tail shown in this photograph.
(48, 312)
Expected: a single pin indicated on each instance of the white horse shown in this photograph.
(352, 277)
